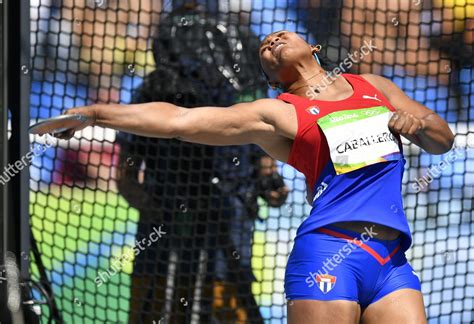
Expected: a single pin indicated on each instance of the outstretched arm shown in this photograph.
(243, 123)
(419, 124)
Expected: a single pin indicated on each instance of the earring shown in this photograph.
(317, 58)
(318, 49)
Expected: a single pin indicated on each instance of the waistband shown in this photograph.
(366, 241)
(371, 234)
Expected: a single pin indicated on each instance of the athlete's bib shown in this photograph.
(359, 137)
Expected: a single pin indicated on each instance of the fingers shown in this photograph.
(398, 121)
(405, 123)
(72, 111)
(68, 134)
(415, 127)
(85, 111)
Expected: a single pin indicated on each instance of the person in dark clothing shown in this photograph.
(205, 197)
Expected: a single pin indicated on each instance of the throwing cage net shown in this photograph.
(146, 230)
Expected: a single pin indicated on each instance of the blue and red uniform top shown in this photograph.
(352, 162)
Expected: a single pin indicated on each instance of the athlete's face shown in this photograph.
(281, 50)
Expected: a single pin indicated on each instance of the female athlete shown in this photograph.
(348, 262)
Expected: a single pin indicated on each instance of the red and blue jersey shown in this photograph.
(352, 162)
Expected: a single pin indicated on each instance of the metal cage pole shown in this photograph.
(19, 143)
(15, 111)
(4, 313)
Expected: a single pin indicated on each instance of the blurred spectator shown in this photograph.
(205, 196)
(397, 29)
(110, 38)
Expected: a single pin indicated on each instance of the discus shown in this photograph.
(58, 124)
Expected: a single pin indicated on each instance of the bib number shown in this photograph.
(359, 137)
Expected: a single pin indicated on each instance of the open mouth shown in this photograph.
(277, 48)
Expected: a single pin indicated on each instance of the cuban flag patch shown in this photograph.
(313, 110)
(326, 282)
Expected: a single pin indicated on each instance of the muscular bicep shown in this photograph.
(424, 127)
(243, 123)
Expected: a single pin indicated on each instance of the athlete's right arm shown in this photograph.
(243, 123)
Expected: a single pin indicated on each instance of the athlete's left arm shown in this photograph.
(417, 123)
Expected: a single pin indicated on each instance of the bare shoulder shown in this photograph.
(281, 118)
(265, 106)
(397, 97)
(376, 80)
(279, 114)
(384, 85)
(372, 77)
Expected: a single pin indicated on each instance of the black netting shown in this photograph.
(220, 249)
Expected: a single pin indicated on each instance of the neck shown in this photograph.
(308, 86)
(305, 78)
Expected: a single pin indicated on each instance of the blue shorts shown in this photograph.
(336, 264)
